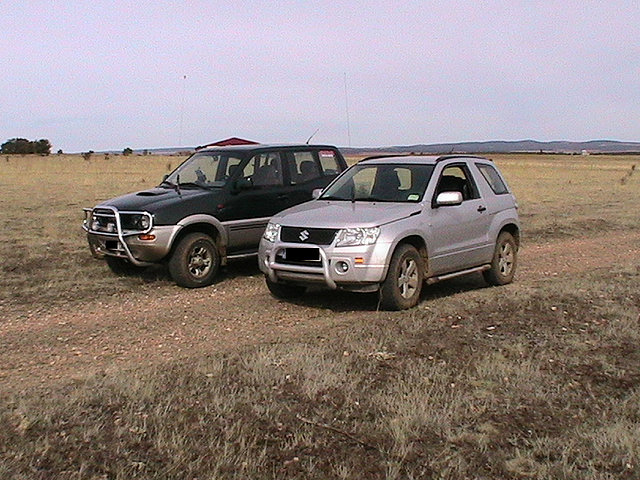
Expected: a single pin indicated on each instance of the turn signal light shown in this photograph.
(147, 236)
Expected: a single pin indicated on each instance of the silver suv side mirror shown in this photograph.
(316, 193)
(445, 199)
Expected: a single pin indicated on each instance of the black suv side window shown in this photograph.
(457, 178)
(492, 177)
(329, 162)
(264, 169)
(303, 167)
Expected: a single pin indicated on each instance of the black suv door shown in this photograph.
(307, 170)
(257, 194)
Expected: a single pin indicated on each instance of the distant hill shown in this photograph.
(493, 146)
(517, 146)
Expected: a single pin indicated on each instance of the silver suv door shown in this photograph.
(459, 234)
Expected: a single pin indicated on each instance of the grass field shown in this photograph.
(538, 379)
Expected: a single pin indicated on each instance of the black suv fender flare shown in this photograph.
(221, 239)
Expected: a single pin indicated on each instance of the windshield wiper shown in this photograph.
(371, 199)
(331, 197)
(175, 186)
(194, 184)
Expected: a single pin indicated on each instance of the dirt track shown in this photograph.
(47, 346)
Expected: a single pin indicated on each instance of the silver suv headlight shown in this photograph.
(357, 236)
(272, 232)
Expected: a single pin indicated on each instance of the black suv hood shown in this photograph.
(165, 204)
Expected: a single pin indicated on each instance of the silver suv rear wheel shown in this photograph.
(504, 262)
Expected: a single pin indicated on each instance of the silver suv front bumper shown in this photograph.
(360, 268)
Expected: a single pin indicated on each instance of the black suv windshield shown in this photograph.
(206, 169)
(381, 183)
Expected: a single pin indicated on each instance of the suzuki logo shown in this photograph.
(304, 235)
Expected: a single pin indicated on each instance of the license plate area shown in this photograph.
(299, 256)
(112, 245)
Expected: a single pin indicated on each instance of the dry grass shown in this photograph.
(567, 195)
(400, 395)
(539, 379)
(43, 252)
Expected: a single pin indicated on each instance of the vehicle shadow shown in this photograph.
(245, 267)
(340, 301)
(242, 267)
(334, 300)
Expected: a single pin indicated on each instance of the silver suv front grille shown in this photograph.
(316, 236)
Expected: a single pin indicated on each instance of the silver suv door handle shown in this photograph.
(482, 208)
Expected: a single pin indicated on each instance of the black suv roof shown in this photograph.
(267, 146)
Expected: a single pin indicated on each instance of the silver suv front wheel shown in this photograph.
(401, 289)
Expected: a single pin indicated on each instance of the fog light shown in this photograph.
(342, 267)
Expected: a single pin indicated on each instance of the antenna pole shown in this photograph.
(184, 86)
(312, 135)
(346, 101)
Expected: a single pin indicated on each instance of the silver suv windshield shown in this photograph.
(381, 183)
(206, 169)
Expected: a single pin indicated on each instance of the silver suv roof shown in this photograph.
(424, 159)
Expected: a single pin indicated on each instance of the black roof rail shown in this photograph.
(461, 155)
(438, 158)
(386, 155)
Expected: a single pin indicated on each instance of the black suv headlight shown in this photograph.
(136, 221)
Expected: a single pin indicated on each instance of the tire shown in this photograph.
(403, 285)
(195, 261)
(284, 290)
(122, 267)
(504, 262)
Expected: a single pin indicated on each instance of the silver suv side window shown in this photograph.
(264, 169)
(457, 178)
(493, 178)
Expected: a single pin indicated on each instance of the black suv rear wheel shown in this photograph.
(401, 289)
(195, 261)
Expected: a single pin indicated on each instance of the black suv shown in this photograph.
(213, 207)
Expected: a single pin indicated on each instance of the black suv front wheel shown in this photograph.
(195, 261)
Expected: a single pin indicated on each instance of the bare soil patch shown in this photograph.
(43, 347)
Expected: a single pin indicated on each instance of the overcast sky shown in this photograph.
(107, 75)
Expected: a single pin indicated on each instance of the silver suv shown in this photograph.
(389, 223)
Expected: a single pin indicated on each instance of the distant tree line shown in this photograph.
(22, 146)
